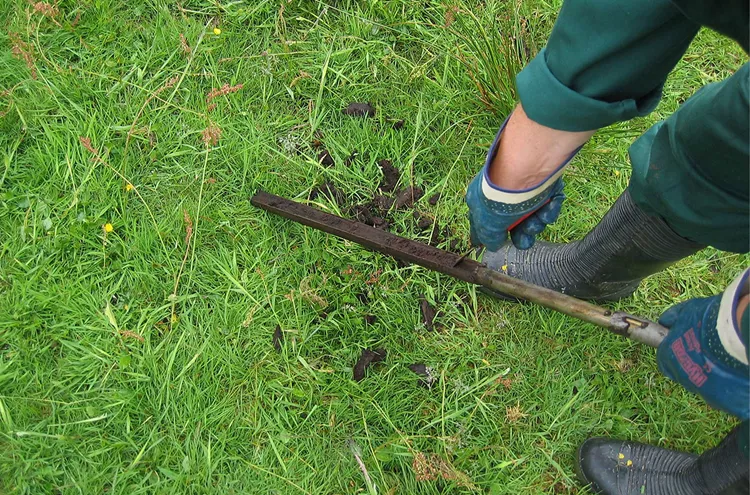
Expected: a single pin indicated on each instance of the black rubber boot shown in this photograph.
(615, 467)
(608, 264)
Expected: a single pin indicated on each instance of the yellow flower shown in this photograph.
(617, 173)
(129, 187)
(629, 463)
(504, 268)
(621, 456)
(108, 227)
(217, 31)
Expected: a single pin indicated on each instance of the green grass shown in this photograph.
(113, 382)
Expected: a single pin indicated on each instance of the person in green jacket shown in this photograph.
(606, 61)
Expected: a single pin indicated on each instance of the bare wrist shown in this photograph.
(529, 152)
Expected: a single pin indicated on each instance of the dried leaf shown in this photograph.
(358, 109)
(427, 376)
(428, 314)
(278, 338)
(366, 359)
(325, 158)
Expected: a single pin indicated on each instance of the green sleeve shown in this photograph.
(606, 61)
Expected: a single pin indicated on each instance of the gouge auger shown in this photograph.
(460, 267)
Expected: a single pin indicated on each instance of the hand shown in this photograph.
(490, 221)
(687, 357)
(495, 211)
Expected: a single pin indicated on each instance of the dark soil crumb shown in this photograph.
(391, 176)
(435, 239)
(406, 198)
(382, 203)
(364, 214)
(423, 222)
(428, 314)
(328, 190)
(398, 125)
(278, 338)
(362, 297)
(325, 158)
(375, 212)
(380, 223)
(367, 358)
(371, 319)
(357, 109)
(350, 159)
(438, 236)
(434, 199)
(426, 374)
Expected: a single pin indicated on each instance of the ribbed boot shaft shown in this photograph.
(608, 263)
(723, 469)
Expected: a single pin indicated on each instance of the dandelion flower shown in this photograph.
(108, 227)
(217, 31)
(129, 187)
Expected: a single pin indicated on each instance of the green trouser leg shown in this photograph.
(606, 61)
(692, 168)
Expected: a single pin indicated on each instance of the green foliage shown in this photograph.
(141, 360)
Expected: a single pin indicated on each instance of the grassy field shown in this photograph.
(140, 291)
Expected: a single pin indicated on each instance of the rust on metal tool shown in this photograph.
(370, 237)
(462, 268)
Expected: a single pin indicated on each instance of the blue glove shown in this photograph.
(494, 211)
(693, 354)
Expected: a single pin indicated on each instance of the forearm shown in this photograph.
(529, 153)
